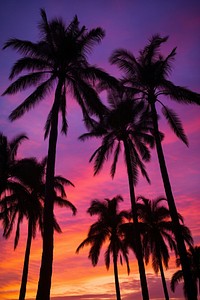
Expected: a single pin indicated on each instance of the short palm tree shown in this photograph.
(194, 259)
(158, 235)
(107, 229)
(26, 201)
(147, 76)
(58, 61)
(125, 125)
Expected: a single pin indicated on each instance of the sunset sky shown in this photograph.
(128, 24)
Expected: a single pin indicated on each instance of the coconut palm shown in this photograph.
(26, 201)
(158, 235)
(147, 76)
(58, 60)
(194, 259)
(107, 229)
(125, 125)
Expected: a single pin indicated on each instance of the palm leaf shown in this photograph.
(114, 164)
(29, 64)
(91, 38)
(15, 143)
(24, 82)
(63, 112)
(65, 203)
(176, 278)
(21, 46)
(32, 100)
(180, 94)
(175, 123)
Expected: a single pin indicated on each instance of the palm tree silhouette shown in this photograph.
(58, 60)
(194, 259)
(147, 76)
(107, 228)
(126, 124)
(26, 201)
(158, 235)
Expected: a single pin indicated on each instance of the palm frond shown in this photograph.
(15, 143)
(21, 46)
(32, 100)
(114, 164)
(176, 278)
(65, 203)
(17, 234)
(56, 226)
(175, 123)
(181, 94)
(91, 38)
(89, 240)
(47, 126)
(30, 64)
(24, 82)
(63, 112)
(125, 60)
(107, 256)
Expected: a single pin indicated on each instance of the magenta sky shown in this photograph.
(128, 24)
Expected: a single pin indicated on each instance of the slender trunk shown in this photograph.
(189, 285)
(162, 276)
(117, 288)
(22, 293)
(139, 252)
(44, 284)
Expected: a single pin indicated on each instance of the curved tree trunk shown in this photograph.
(22, 293)
(139, 252)
(189, 285)
(117, 288)
(44, 284)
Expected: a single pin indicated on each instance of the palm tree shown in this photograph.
(58, 60)
(126, 124)
(27, 202)
(148, 76)
(158, 235)
(107, 228)
(194, 259)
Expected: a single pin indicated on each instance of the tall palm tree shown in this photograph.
(148, 76)
(26, 201)
(58, 60)
(107, 228)
(125, 125)
(194, 259)
(158, 235)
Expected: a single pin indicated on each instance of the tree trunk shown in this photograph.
(22, 293)
(117, 288)
(44, 284)
(189, 285)
(139, 252)
(162, 276)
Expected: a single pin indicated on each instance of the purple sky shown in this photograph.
(128, 24)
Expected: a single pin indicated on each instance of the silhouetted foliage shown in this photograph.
(147, 76)
(194, 259)
(57, 64)
(107, 230)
